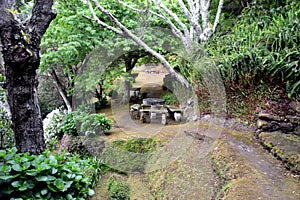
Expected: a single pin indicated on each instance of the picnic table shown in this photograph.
(153, 101)
(154, 107)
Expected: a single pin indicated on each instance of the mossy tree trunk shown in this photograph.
(21, 55)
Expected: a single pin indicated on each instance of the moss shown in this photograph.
(236, 174)
(285, 147)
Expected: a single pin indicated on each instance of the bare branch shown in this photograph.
(176, 19)
(218, 15)
(174, 29)
(101, 23)
(190, 17)
(137, 40)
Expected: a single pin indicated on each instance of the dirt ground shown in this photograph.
(228, 164)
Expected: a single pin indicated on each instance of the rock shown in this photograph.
(270, 117)
(293, 119)
(262, 124)
(295, 106)
(195, 135)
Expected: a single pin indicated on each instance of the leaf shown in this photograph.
(5, 169)
(91, 192)
(42, 178)
(59, 183)
(5, 178)
(52, 160)
(50, 178)
(16, 184)
(52, 188)
(44, 191)
(17, 167)
(25, 166)
(31, 172)
(67, 185)
(54, 170)
(2, 153)
(29, 184)
(23, 188)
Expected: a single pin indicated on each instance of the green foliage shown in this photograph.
(170, 99)
(52, 128)
(118, 189)
(94, 123)
(264, 44)
(101, 103)
(75, 123)
(6, 133)
(47, 176)
(137, 145)
(69, 125)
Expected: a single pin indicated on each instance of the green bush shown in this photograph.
(118, 189)
(69, 125)
(94, 123)
(137, 145)
(263, 45)
(46, 176)
(170, 99)
(76, 122)
(101, 103)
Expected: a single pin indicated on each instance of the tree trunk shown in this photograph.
(21, 55)
(24, 105)
(61, 91)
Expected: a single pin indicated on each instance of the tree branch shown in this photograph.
(42, 15)
(218, 15)
(176, 19)
(101, 23)
(137, 40)
(190, 17)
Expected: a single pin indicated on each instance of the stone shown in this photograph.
(164, 119)
(177, 116)
(261, 124)
(270, 117)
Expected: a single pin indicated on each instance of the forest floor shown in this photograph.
(229, 163)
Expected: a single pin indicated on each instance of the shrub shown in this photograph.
(101, 103)
(69, 125)
(94, 123)
(53, 124)
(46, 176)
(118, 189)
(170, 99)
(74, 123)
(263, 46)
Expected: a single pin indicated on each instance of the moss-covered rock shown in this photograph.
(285, 147)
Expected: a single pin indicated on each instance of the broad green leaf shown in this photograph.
(42, 178)
(44, 191)
(91, 192)
(16, 184)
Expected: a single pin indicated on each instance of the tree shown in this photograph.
(193, 30)
(21, 40)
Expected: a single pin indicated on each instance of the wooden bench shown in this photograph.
(174, 112)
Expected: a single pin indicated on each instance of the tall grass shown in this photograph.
(263, 45)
